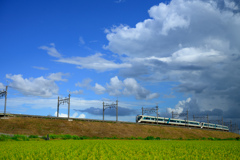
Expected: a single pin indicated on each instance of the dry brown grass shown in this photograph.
(37, 126)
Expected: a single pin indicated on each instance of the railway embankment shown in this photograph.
(44, 126)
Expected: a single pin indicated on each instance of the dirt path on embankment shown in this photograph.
(41, 127)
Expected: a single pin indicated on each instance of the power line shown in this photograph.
(151, 110)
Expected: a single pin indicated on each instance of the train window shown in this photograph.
(194, 123)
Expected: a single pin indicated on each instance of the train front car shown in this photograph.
(149, 119)
(138, 118)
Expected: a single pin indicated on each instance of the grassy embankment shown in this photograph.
(42, 127)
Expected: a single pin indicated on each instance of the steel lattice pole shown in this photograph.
(103, 111)
(69, 106)
(5, 105)
(116, 110)
(58, 108)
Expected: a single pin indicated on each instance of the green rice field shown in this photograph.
(119, 149)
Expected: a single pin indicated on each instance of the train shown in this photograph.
(179, 122)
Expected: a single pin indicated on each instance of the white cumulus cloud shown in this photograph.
(179, 107)
(127, 87)
(99, 89)
(76, 92)
(57, 76)
(75, 115)
(40, 86)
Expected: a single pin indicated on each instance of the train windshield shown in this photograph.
(139, 117)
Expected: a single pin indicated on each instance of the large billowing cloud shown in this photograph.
(180, 24)
(129, 86)
(40, 86)
(193, 42)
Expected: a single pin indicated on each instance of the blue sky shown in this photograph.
(179, 54)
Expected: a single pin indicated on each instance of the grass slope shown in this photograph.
(42, 127)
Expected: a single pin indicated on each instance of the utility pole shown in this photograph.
(116, 110)
(222, 121)
(113, 105)
(207, 121)
(5, 105)
(103, 111)
(157, 112)
(231, 125)
(68, 106)
(58, 107)
(62, 101)
(4, 93)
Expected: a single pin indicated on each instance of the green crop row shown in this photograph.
(74, 137)
(119, 149)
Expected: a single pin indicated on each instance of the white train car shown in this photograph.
(163, 120)
(178, 122)
(214, 126)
